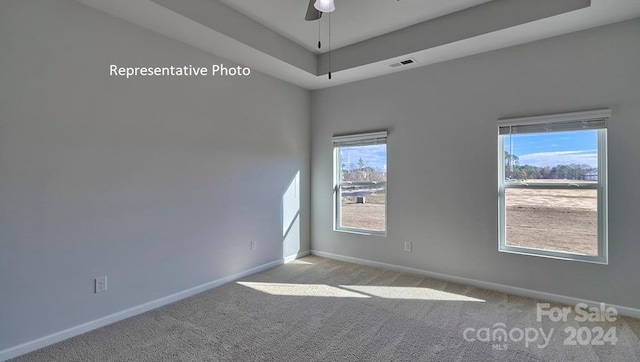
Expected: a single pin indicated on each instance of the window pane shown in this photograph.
(363, 163)
(555, 220)
(567, 156)
(363, 203)
(363, 207)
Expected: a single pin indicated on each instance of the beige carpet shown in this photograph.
(317, 309)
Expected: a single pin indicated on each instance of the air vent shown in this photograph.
(404, 62)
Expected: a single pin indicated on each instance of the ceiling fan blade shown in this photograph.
(312, 12)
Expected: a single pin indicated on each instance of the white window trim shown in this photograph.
(361, 139)
(603, 252)
(557, 118)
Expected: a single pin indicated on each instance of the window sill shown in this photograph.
(361, 232)
(555, 255)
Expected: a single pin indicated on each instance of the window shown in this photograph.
(360, 174)
(552, 186)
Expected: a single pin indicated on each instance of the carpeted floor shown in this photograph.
(317, 309)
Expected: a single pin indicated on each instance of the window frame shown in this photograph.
(354, 140)
(601, 187)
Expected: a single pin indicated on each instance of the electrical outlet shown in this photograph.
(407, 246)
(101, 284)
(253, 245)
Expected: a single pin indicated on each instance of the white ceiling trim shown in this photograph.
(294, 67)
(352, 22)
(157, 18)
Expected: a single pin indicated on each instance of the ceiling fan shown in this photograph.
(314, 12)
(317, 7)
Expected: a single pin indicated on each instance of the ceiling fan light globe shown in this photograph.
(326, 6)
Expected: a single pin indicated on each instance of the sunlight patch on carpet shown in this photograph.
(409, 293)
(299, 262)
(302, 290)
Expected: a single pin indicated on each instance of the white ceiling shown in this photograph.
(273, 39)
(353, 20)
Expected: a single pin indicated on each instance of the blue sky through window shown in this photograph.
(374, 156)
(534, 149)
(555, 148)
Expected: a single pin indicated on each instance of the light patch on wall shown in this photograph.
(291, 218)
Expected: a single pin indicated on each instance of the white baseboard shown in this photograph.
(35, 344)
(622, 310)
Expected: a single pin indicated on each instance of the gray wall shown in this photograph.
(442, 191)
(158, 183)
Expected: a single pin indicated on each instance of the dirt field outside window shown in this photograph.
(557, 220)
